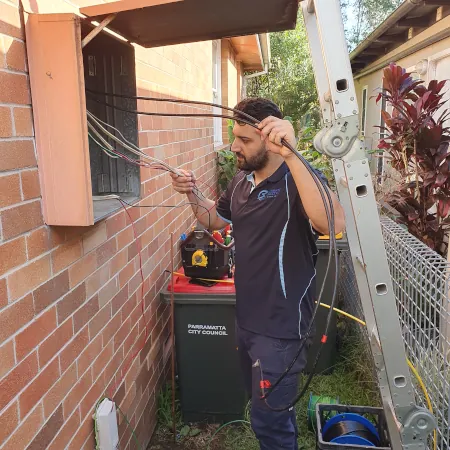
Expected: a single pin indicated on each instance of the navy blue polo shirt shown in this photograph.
(275, 254)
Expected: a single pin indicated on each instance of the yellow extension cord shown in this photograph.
(413, 369)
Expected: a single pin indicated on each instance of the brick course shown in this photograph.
(70, 298)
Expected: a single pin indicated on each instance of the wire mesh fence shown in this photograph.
(421, 283)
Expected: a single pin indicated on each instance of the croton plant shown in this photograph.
(417, 146)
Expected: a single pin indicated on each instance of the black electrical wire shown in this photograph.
(172, 100)
(196, 193)
(332, 245)
(351, 427)
(166, 206)
(319, 352)
(131, 111)
(329, 210)
(332, 248)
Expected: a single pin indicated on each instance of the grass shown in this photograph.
(351, 381)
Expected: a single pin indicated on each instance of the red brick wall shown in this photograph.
(70, 298)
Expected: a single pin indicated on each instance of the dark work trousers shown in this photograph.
(274, 430)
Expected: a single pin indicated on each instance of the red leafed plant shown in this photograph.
(417, 143)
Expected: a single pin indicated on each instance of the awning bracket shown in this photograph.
(104, 23)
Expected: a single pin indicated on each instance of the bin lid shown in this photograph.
(183, 285)
(191, 294)
(187, 292)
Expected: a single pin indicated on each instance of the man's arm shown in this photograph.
(273, 130)
(312, 200)
(204, 209)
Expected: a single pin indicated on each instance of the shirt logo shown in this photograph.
(264, 194)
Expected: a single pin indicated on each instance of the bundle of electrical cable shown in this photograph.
(99, 134)
(95, 124)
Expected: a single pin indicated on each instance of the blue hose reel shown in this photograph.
(351, 429)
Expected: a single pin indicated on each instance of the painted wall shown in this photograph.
(437, 56)
(70, 298)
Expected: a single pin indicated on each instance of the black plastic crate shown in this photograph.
(374, 415)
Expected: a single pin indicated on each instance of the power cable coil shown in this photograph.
(350, 429)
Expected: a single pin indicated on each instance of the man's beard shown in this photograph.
(256, 162)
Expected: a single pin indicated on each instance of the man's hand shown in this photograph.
(183, 183)
(273, 130)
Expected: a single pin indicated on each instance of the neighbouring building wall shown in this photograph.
(438, 67)
(70, 298)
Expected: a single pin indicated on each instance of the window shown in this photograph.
(216, 91)
(72, 169)
(383, 134)
(382, 123)
(439, 69)
(380, 163)
(364, 110)
(109, 66)
(419, 70)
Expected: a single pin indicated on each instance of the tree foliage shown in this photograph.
(290, 82)
(417, 143)
(361, 17)
(226, 168)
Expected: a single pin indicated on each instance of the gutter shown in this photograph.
(264, 44)
(263, 41)
(443, 34)
(406, 7)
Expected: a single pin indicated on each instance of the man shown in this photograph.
(274, 206)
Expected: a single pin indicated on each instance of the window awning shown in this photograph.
(154, 23)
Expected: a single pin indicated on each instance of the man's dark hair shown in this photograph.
(257, 107)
